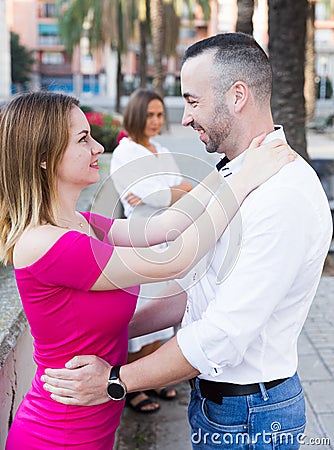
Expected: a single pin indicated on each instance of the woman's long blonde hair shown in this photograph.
(34, 134)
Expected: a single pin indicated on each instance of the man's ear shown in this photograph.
(43, 165)
(240, 92)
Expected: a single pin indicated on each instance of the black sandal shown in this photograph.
(163, 393)
(139, 406)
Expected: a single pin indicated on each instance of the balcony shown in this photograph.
(55, 69)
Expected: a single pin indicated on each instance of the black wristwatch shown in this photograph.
(116, 390)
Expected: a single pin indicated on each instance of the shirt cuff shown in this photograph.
(189, 344)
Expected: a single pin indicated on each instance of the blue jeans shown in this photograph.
(273, 419)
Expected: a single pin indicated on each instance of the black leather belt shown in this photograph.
(215, 391)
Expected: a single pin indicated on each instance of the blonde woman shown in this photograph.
(78, 273)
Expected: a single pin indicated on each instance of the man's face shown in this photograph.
(206, 112)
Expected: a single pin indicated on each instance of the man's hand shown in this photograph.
(82, 382)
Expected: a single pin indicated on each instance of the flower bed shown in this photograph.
(104, 127)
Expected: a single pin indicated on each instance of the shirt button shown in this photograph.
(194, 276)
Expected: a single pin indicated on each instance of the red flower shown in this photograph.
(95, 118)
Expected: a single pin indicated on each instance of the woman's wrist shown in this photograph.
(240, 185)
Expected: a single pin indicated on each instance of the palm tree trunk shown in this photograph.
(119, 81)
(287, 32)
(245, 16)
(142, 53)
(309, 88)
(157, 24)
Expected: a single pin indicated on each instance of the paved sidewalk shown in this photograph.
(168, 428)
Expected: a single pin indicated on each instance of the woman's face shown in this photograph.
(155, 116)
(79, 165)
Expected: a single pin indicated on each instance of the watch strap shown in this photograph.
(114, 372)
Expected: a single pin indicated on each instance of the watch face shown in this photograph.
(116, 391)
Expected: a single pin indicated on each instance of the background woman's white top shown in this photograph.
(136, 169)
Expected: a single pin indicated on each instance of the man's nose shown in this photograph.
(186, 117)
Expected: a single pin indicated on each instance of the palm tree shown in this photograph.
(287, 32)
(110, 23)
(158, 35)
(165, 20)
(144, 27)
(309, 88)
(106, 23)
(245, 16)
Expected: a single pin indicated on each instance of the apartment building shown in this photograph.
(37, 24)
(4, 53)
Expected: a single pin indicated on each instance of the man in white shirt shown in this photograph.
(245, 311)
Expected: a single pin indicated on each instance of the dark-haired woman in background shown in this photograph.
(148, 179)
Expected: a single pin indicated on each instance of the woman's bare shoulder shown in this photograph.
(34, 243)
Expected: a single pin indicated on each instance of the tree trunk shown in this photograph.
(142, 53)
(287, 33)
(119, 81)
(309, 88)
(245, 16)
(157, 25)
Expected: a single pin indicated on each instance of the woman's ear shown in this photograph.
(43, 165)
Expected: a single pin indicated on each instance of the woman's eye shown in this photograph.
(84, 139)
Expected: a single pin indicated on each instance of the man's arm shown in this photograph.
(160, 313)
(84, 381)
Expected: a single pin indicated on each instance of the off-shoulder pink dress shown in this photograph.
(68, 319)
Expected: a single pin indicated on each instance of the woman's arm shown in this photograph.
(132, 266)
(142, 232)
(168, 225)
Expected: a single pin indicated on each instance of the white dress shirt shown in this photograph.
(136, 169)
(243, 327)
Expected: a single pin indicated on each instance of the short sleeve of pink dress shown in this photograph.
(66, 319)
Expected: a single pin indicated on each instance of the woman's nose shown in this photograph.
(97, 147)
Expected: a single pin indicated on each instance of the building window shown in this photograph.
(44, 39)
(47, 9)
(52, 58)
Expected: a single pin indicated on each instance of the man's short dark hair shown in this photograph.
(237, 57)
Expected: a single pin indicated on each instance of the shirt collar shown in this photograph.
(235, 164)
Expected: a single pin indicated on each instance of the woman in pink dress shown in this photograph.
(78, 273)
